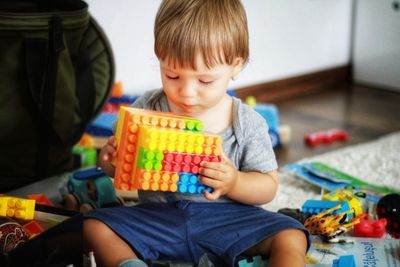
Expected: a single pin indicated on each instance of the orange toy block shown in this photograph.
(33, 228)
(150, 145)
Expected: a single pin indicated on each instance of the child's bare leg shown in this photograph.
(109, 249)
(286, 248)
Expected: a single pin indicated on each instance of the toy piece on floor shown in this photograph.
(369, 228)
(118, 98)
(17, 208)
(86, 151)
(161, 151)
(388, 208)
(279, 134)
(329, 225)
(256, 261)
(345, 195)
(102, 125)
(332, 179)
(33, 228)
(325, 137)
(89, 189)
(313, 207)
(344, 261)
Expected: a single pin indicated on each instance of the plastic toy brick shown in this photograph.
(182, 162)
(17, 208)
(117, 89)
(326, 137)
(156, 151)
(370, 228)
(188, 183)
(344, 261)
(102, 125)
(345, 195)
(33, 228)
(156, 181)
(316, 206)
(256, 261)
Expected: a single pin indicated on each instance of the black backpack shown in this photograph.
(56, 73)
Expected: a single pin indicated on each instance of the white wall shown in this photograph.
(376, 57)
(287, 38)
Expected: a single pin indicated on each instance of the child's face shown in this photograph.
(194, 92)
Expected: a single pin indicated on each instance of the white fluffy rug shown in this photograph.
(376, 162)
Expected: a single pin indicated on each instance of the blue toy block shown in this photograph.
(344, 261)
(270, 113)
(313, 206)
(256, 261)
(189, 183)
(102, 125)
(124, 99)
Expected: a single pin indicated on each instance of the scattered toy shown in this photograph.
(369, 228)
(326, 137)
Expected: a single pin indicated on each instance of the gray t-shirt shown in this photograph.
(246, 143)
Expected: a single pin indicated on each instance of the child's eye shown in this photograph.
(172, 77)
(206, 82)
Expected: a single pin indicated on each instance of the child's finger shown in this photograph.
(211, 182)
(212, 196)
(214, 174)
(224, 157)
(112, 141)
(211, 165)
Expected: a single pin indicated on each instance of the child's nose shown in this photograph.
(188, 89)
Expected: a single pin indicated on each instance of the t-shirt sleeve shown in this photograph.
(146, 101)
(256, 153)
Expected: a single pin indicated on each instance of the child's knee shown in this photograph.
(93, 228)
(290, 239)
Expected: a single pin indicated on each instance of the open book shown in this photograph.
(376, 252)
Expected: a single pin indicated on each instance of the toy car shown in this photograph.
(89, 189)
(325, 137)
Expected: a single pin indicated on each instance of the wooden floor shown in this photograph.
(366, 113)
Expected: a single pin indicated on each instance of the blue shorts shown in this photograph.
(186, 230)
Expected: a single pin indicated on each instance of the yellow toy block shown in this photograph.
(17, 208)
(143, 137)
(345, 195)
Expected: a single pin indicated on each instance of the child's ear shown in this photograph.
(237, 66)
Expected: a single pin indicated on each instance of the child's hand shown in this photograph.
(221, 176)
(107, 153)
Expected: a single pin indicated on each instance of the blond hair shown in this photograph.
(217, 29)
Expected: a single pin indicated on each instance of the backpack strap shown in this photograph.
(85, 86)
(38, 63)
